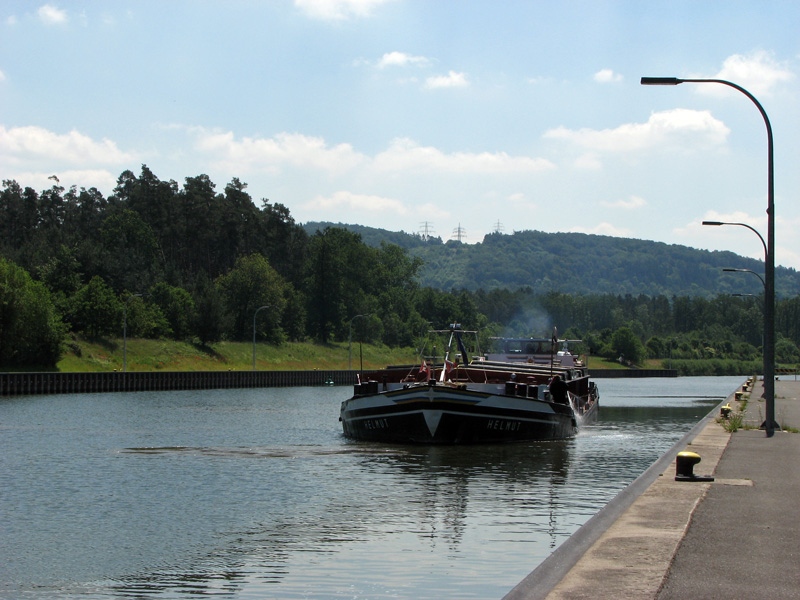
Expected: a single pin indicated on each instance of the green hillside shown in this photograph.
(577, 263)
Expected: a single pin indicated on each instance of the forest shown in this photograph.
(193, 263)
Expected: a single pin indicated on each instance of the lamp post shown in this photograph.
(769, 249)
(350, 340)
(125, 332)
(254, 331)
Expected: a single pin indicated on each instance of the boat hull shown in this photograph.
(445, 414)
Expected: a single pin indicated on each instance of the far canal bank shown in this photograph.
(145, 381)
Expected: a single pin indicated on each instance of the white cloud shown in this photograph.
(607, 76)
(2, 76)
(337, 9)
(432, 211)
(758, 73)
(21, 143)
(357, 202)
(603, 229)
(631, 203)
(400, 59)
(732, 232)
(451, 80)
(52, 15)
(284, 149)
(735, 238)
(660, 128)
(739, 239)
(538, 80)
(588, 162)
(406, 155)
(98, 178)
(403, 155)
(518, 202)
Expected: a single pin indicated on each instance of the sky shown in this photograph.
(434, 116)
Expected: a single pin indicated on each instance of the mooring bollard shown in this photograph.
(684, 467)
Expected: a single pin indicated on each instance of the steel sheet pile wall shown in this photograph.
(628, 373)
(69, 383)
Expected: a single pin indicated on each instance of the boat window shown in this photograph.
(525, 347)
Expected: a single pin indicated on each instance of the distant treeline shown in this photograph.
(188, 262)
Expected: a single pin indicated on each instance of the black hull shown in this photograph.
(442, 415)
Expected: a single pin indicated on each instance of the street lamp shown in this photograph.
(254, 331)
(769, 249)
(763, 243)
(350, 339)
(728, 270)
(125, 332)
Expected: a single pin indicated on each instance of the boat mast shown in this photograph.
(447, 353)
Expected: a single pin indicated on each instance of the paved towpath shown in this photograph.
(738, 537)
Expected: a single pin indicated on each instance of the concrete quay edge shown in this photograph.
(626, 549)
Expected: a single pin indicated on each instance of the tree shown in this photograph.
(338, 268)
(95, 310)
(199, 218)
(209, 320)
(131, 257)
(144, 319)
(786, 351)
(655, 347)
(19, 215)
(30, 330)
(626, 345)
(177, 307)
(61, 272)
(285, 242)
(253, 283)
(293, 319)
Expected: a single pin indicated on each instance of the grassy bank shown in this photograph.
(166, 355)
(98, 355)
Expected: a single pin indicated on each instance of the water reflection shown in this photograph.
(448, 485)
(431, 494)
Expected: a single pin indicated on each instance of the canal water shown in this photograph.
(254, 493)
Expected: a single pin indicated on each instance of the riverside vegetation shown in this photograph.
(189, 267)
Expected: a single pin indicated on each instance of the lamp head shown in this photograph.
(661, 81)
(717, 223)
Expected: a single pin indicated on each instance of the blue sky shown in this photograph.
(482, 115)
